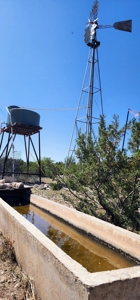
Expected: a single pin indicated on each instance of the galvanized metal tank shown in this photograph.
(20, 115)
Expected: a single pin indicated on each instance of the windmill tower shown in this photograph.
(90, 106)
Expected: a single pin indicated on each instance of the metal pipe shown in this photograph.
(125, 130)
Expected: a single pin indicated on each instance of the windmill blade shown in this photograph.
(94, 11)
(123, 25)
(87, 34)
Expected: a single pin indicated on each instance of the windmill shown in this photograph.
(90, 106)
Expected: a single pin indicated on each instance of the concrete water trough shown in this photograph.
(56, 275)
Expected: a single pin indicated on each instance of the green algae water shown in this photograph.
(91, 254)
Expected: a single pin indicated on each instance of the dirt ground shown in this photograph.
(14, 283)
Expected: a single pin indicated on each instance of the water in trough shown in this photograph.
(92, 254)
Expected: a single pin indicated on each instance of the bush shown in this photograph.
(56, 186)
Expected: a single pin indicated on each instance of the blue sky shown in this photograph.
(43, 58)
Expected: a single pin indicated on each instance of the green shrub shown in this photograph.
(56, 186)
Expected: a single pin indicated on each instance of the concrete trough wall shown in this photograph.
(56, 275)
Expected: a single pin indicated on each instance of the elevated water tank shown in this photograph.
(20, 115)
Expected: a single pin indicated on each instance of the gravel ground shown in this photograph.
(62, 196)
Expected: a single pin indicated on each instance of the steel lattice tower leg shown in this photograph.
(90, 106)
